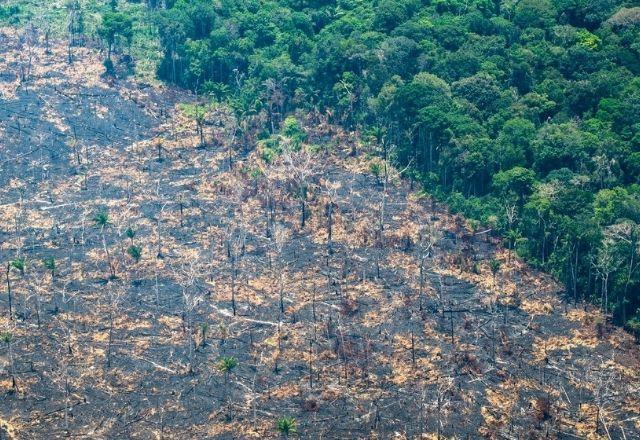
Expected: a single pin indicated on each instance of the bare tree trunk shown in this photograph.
(330, 226)
(106, 251)
(9, 291)
(233, 284)
(311, 364)
(12, 365)
(110, 340)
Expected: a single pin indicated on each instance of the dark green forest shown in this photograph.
(521, 115)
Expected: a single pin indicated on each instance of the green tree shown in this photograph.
(115, 25)
(611, 205)
(130, 233)
(292, 129)
(482, 90)
(534, 13)
(514, 143)
(516, 183)
(391, 13)
(561, 146)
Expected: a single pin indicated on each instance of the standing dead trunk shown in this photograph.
(8, 339)
(233, 284)
(329, 226)
(310, 364)
(9, 291)
(110, 339)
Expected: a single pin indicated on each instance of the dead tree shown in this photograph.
(605, 263)
(187, 276)
(236, 246)
(299, 167)
(330, 191)
(28, 40)
(75, 26)
(427, 238)
(115, 297)
(267, 191)
(7, 338)
(8, 278)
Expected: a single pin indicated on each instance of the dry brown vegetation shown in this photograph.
(377, 316)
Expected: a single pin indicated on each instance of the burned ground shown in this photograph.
(375, 314)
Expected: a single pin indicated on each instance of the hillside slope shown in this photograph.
(375, 314)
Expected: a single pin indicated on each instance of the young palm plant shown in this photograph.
(204, 328)
(49, 263)
(135, 252)
(287, 426)
(226, 365)
(131, 234)
(101, 220)
(19, 264)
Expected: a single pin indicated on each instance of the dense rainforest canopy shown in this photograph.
(523, 115)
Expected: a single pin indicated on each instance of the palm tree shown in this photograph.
(287, 426)
(226, 364)
(101, 220)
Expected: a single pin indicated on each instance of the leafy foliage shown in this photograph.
(101, 219)
(115, 26)
(6, 337)
(130, 233)
(49, 263)
(227, 364)
(19, 264)
(135, 252)
(287, 426)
